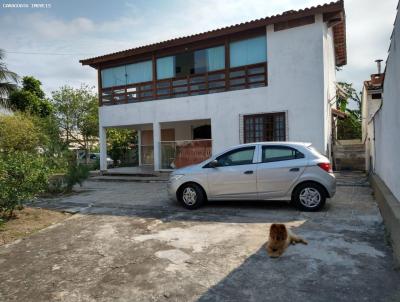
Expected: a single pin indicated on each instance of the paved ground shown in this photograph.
(129, 243)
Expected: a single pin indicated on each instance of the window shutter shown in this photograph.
(241, 129)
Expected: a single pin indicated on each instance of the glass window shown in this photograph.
(215, 58)
(115, 76)
(279, 153)
(127, 74)
(166, 68)
(264, 127)
(184, 64)
(200, 61)
(249, 51)
(139, 72)
(242, 156)
(189, 63)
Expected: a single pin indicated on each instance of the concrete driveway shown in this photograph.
(129, 243)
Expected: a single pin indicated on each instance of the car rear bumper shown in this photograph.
(330, 185)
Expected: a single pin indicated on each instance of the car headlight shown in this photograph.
(176, 177)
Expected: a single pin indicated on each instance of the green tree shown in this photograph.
(30, 98)
(19, 133)
(8, 81)
(24, 170)
(23, 175)
(350, 127)
(77, 114)
(119, 143)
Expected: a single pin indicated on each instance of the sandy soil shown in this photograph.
(28, 221)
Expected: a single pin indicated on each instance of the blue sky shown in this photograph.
(49, 42)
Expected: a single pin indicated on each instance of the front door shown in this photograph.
(235, 175)
(281, 166)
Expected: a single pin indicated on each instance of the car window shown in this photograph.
(242, 156)
(279, 153)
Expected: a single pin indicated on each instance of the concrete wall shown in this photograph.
(369, 109)
(387, 120)
(298, 83)
(329, 84)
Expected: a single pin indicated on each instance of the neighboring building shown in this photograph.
(269, 79)
(386, 121)
(371, 103)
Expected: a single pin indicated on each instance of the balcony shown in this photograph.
(244, 77)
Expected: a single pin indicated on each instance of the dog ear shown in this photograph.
(274, 231)
(282, 233)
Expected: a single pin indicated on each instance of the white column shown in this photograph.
(139, 143)
(103, 148)
(156, 145)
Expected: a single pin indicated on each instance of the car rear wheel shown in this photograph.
(191, 196)
(309, 197)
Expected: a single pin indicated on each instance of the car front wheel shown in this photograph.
(191, 196)
(309, 197)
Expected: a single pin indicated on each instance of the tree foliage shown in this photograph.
(8, 80)
(30, 98)
(350, 127)
(24, 170)
(22, 176)
(77, 114)
(119, 142)
(19, 133)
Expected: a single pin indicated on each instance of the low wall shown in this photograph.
(390, 210)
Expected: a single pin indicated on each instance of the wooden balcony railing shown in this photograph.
(244, 77)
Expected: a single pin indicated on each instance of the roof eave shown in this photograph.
(332, 7)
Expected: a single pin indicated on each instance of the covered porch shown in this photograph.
(167, 145)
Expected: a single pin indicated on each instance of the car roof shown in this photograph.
(280, 143)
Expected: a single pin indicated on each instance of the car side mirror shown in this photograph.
(214, 163)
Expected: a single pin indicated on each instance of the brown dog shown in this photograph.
(279, 239)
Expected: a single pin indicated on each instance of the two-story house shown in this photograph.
(271, 79)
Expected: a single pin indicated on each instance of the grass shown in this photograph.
(26, 222)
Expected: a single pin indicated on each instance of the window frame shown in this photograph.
(265, 136)
(298, 154)
(205, 48)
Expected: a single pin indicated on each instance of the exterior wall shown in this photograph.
(369, 108)
(298, 84)
(329, 85)
(184, 129)
(387, 121)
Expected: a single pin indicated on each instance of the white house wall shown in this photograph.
(296, 85)
(329, 83)
(387, 121)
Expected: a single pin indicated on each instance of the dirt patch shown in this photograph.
(28, 221)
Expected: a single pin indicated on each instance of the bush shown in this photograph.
(19, 133)
(22, 176)
(76, 174)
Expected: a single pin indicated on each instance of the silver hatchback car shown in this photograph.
(265, 170)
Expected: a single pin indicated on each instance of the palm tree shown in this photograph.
(8, 80)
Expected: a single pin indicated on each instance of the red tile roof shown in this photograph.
(330, 11)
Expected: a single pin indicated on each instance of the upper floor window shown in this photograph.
(188, 63)
(127, 74)
(249, 51)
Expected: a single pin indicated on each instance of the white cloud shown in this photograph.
(369, 25)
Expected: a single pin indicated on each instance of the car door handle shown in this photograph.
(249, 172)
(294, 170)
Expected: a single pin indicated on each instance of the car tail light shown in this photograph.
(326, 166)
